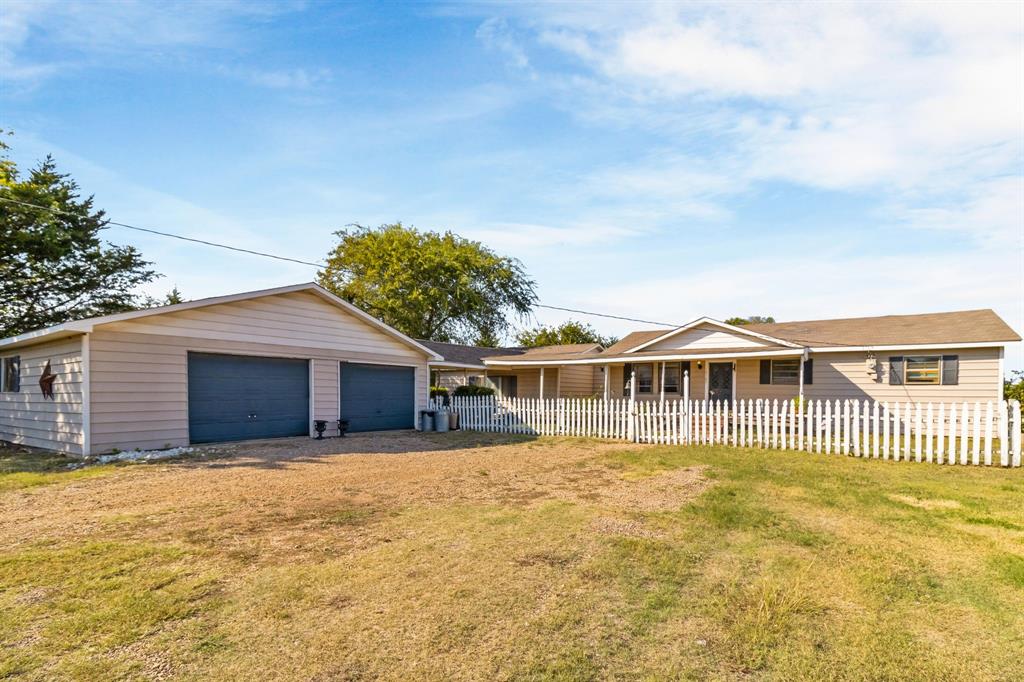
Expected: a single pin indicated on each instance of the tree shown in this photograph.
(428, 285)
(1013, 388)
(753, 319)
(53, 265)
(565, 333)
(173, 296)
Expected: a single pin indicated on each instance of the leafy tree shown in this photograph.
(753, 319)
(567, 332)
(1013, 388)
(428, 285)
(53, 265)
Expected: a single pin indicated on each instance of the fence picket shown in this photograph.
(925, 432)
(988, 433)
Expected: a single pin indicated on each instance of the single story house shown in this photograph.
(950, 356)
(253, 365)
(464, 365)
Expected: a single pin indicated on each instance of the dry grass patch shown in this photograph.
(471, 556)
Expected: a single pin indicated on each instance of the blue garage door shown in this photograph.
(377, 397)
(234, 397)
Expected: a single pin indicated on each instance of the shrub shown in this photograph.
(472, 389)
(439, 393)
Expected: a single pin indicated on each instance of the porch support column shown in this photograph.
(733, 396)
(541, 383)
(661, 382)
(632, 404)
(803, 359)
(707, 380)
(686, 406)
(607, 381)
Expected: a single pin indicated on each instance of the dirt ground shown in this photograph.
(225, 493)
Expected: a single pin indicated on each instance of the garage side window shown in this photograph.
(11, 380)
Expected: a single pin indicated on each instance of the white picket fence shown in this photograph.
(944, 433)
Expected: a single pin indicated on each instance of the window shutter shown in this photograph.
(808, 372)
(766, 371)
(950, 370)
(627, 370)
(896, 371)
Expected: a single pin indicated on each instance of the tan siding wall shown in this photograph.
(325, 393)
(28, 418)
(844, 375)
(528, 383)
(139, 369)
(297, 319)
(452, 379)
(577, 381)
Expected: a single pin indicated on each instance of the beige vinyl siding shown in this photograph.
(26, 417)
(707, 336)
(528, 382)
(326, 406)
(748, 377)
(139, 370)
(577, 381)
(452, 379)
(845, 376)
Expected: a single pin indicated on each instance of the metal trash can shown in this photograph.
(441, 421)
(426, 420)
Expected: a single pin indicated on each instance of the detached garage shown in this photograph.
(262, 364)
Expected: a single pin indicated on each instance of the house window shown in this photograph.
(474, 380)
(672, 380)
(507, 386)
(11, 380)
(644, 378)
(786, 372)
(923, 369)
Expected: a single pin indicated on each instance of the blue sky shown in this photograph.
(659, 161)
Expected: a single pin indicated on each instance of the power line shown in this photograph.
(319, 265)
(174, 236)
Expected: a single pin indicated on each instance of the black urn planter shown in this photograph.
(342, 427)
(319, 426)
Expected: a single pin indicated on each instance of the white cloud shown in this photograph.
(914, 102)
(496, 34)
(123, 34)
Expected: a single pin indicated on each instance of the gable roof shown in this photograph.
(743, 331)
(563, 349)
(634, 339)
(457, 354)
(86, 325)
(964, 326)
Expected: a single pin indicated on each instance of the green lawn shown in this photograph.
(506, 558)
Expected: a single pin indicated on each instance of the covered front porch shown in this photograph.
(781, 374)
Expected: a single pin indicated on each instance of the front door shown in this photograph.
(720, 381)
